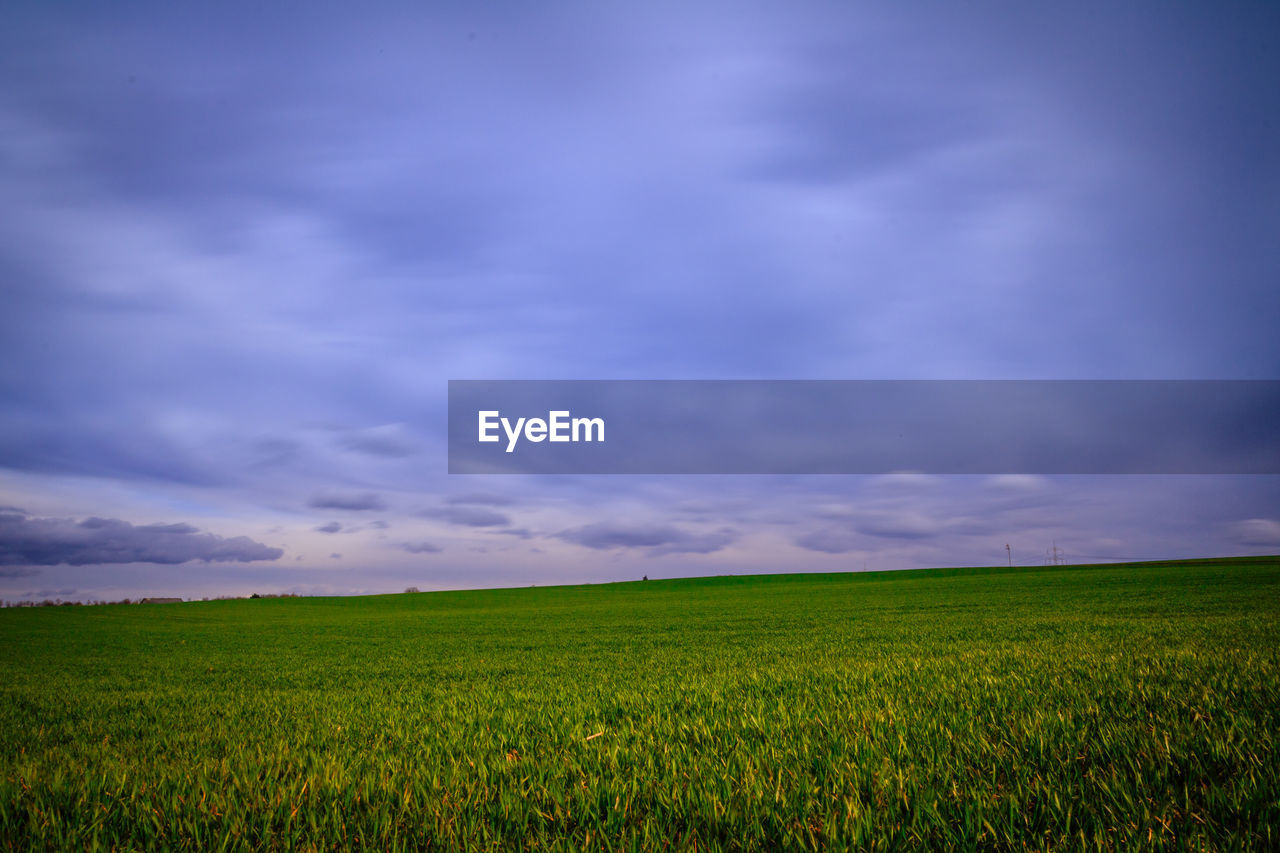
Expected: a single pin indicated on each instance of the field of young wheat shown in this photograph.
(1122, 707)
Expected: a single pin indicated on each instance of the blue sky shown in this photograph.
(243, 248)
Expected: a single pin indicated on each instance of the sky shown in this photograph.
(243, 249)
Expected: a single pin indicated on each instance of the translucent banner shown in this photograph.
(864, 426)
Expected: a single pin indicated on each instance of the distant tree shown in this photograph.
(646, 577)
(412, 589)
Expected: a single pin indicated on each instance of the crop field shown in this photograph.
(1058, 708)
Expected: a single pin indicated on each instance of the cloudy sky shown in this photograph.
(244, 248)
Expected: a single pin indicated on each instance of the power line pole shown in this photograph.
(1010, 553)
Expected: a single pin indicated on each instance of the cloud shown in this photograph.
(467, 516)
(753, 147)
(897, 525)
(603, 536)
(905, 481)
(56, 541)
(336, 527)
(351, 502)
(17, 572)
(390, 441)
(901, 524)
(60, 447)
(1017, 482)
(659, 539)
(828, 541)
(1262, 532)
(54, 593)
(480, 498)
(420, 548)
(697, 543)
(519, 532)
(273, 450)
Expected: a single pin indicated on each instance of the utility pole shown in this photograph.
(1055, 552)
(1010, 553)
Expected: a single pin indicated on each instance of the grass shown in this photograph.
(1120, 707)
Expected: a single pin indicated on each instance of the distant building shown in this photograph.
(161, 601)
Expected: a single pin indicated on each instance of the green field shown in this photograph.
(1122, 707)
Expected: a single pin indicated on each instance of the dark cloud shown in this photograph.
(467, 516)
(658, 539)
(420, 548)
(331, 527)
(55, 541)
(518, 532)
(350, 502)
